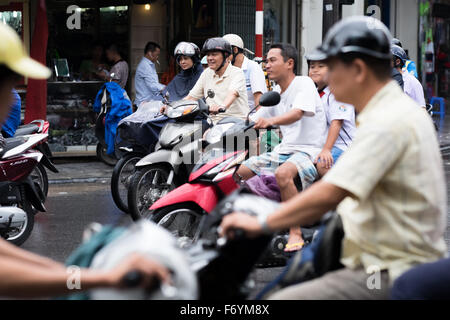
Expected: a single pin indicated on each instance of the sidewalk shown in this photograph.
(80, 170)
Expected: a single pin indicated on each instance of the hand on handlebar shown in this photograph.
(163, 109)
(149, 270)
(217, 109)
(240, 221)
(262, 123)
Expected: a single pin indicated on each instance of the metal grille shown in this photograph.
(239, 18)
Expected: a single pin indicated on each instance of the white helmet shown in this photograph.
(236, 41)
(187, 49)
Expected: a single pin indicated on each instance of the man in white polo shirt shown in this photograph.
(224, 80)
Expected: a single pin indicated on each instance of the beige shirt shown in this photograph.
(394, 169)
(232, 80)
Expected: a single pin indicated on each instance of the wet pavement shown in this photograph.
(80, 194)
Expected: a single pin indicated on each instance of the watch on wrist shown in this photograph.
(262, 219)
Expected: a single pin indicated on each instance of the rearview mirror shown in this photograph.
(270, 99)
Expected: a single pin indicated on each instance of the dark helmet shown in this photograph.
(399, 53)
(217, 44)
(359, 34)
(396, 42)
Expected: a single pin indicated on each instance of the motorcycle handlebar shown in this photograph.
(134, 278)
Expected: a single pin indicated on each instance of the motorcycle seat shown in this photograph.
(26, 129)
(11, 143)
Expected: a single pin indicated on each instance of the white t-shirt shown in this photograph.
(336, 110)
(255, 80)
(309, 133)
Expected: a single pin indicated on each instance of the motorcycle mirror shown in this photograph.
(270, 99)
(211, 94)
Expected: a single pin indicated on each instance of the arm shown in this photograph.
(232, 96)
(285, 119)
(12, 252)
(20, 279)
(333, 133)
(305, 208)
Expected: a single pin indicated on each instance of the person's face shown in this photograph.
(6, 100)
(342, 80)
(276, 67)
(318, 72)
(185, 62)
(154, 55)
(215, 59)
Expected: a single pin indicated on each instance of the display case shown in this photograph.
(71, 116)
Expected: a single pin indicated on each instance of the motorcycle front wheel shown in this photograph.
(148, 185)
(121, 179)
(182, 220)
(102, 155)
(19, 236)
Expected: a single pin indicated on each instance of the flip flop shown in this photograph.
(294, 245)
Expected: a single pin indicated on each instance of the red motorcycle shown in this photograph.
(212, 179)
(18, 159)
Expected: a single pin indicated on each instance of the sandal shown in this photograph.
(294, 245)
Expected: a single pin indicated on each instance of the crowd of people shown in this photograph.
(351, 135)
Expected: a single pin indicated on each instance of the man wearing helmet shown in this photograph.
(24, 274)
(225, 80)
(388, 187)
(254, 75)
(412, 86)
(410, 66)
(146, 80)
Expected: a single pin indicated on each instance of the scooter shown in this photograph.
(39, 174)
(17, 161)
(211, 269)
(174, 157)
(211, 180)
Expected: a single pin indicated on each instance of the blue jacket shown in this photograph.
(120, 108)
(13, 120)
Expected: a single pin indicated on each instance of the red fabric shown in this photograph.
(36, 100)
(321, 93)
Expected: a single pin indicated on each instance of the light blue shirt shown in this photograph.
(146, 83)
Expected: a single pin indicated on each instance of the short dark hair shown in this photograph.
(7, 75)
(381, 68)
(151, 46)
(288, 51)
(114, 48)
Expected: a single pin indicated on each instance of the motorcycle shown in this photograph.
(39, 174)
(17, 161)
(211, 269)
(100, 124)
(212, 178)
(173, 159)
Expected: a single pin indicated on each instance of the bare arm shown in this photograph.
(325, 156)
(285, 119)
(305, 208)
(8, 250)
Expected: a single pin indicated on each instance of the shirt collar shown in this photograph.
(375, 101)
(149, 61)
(226, 73)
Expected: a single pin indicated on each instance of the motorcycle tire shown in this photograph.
(119, 181)
(110, 160)
(169, 218)
(25, 232)
(138, 202)
(39, 176)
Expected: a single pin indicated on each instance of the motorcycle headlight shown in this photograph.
(174, 113)
(180, 110)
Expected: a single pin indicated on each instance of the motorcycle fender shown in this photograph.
(34, 193)
(205, 196)
(162, 156)
(49, 164)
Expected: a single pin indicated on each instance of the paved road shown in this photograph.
(72, 207)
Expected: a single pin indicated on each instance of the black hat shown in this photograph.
(359, 34)
(217, 44)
